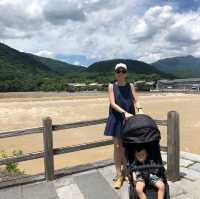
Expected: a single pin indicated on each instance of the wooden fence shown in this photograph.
(172, 148)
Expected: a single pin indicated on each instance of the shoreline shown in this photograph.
(42, 95)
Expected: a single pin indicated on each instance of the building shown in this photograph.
(179, 84)
(72, 87)
(143, 85)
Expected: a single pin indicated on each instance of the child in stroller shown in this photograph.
(147, 176)
(139, 177)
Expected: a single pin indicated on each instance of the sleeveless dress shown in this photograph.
(123, 98)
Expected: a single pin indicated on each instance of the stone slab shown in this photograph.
(191, 188)
(108, 173)
(185, 163)
(195, 167)
(70, 191)
(186, 196)
(44, 190)
(64, 181)
(176, 190)
(189, 173)
(190, 156)
(11, 193)
(94, 186)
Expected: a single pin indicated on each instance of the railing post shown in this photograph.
(173, 146)
(48, 149)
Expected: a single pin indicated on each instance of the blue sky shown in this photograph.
(185, 5)
(178, 5)
(76, 59)
(85, 31)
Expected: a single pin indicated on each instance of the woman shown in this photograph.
(123, 99)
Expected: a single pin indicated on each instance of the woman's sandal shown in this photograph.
(118, 181)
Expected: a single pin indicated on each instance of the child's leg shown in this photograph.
(140, 189)
(161, 189)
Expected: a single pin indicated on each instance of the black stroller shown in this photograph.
(142, 130)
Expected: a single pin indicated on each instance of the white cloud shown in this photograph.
(77, 63)
(34, 10)
(162, 32)
(45, 53)
(60, 11)
(100, 29)
(185, 31)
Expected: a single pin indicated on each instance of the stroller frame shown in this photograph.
(151, 192)
(142, 130)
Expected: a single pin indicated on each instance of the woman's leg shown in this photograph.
(117, 155)
(118, 163)
(123, 158)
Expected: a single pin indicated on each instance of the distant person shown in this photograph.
(122, 97)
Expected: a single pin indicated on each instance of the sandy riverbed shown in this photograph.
(19, 111)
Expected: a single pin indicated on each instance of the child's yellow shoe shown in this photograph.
(118, 181)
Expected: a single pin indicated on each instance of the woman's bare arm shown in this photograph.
(135, 96)
(112, 99)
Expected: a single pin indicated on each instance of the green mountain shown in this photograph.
(21, 71)
(182, 67)
(18, 63)
(134, 66)
(14, 63)
(59, 66)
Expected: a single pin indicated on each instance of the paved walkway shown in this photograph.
(97, 184)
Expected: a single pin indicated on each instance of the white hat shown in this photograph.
(120, 65)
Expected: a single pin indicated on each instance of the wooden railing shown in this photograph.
(173, 146)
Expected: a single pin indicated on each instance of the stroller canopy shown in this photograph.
(140, 128)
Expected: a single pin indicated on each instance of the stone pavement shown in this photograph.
(97, 184)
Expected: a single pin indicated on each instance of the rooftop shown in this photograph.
(179, 80)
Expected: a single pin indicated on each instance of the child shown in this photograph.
(141, 156)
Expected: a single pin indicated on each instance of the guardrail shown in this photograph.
(173, 144)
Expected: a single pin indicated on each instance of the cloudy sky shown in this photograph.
(84, 31)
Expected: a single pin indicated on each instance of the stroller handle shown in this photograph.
(146, 167)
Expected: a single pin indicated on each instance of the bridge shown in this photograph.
(94, 181)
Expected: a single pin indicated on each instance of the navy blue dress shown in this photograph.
(123, 98)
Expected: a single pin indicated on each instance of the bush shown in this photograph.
(12, 167)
